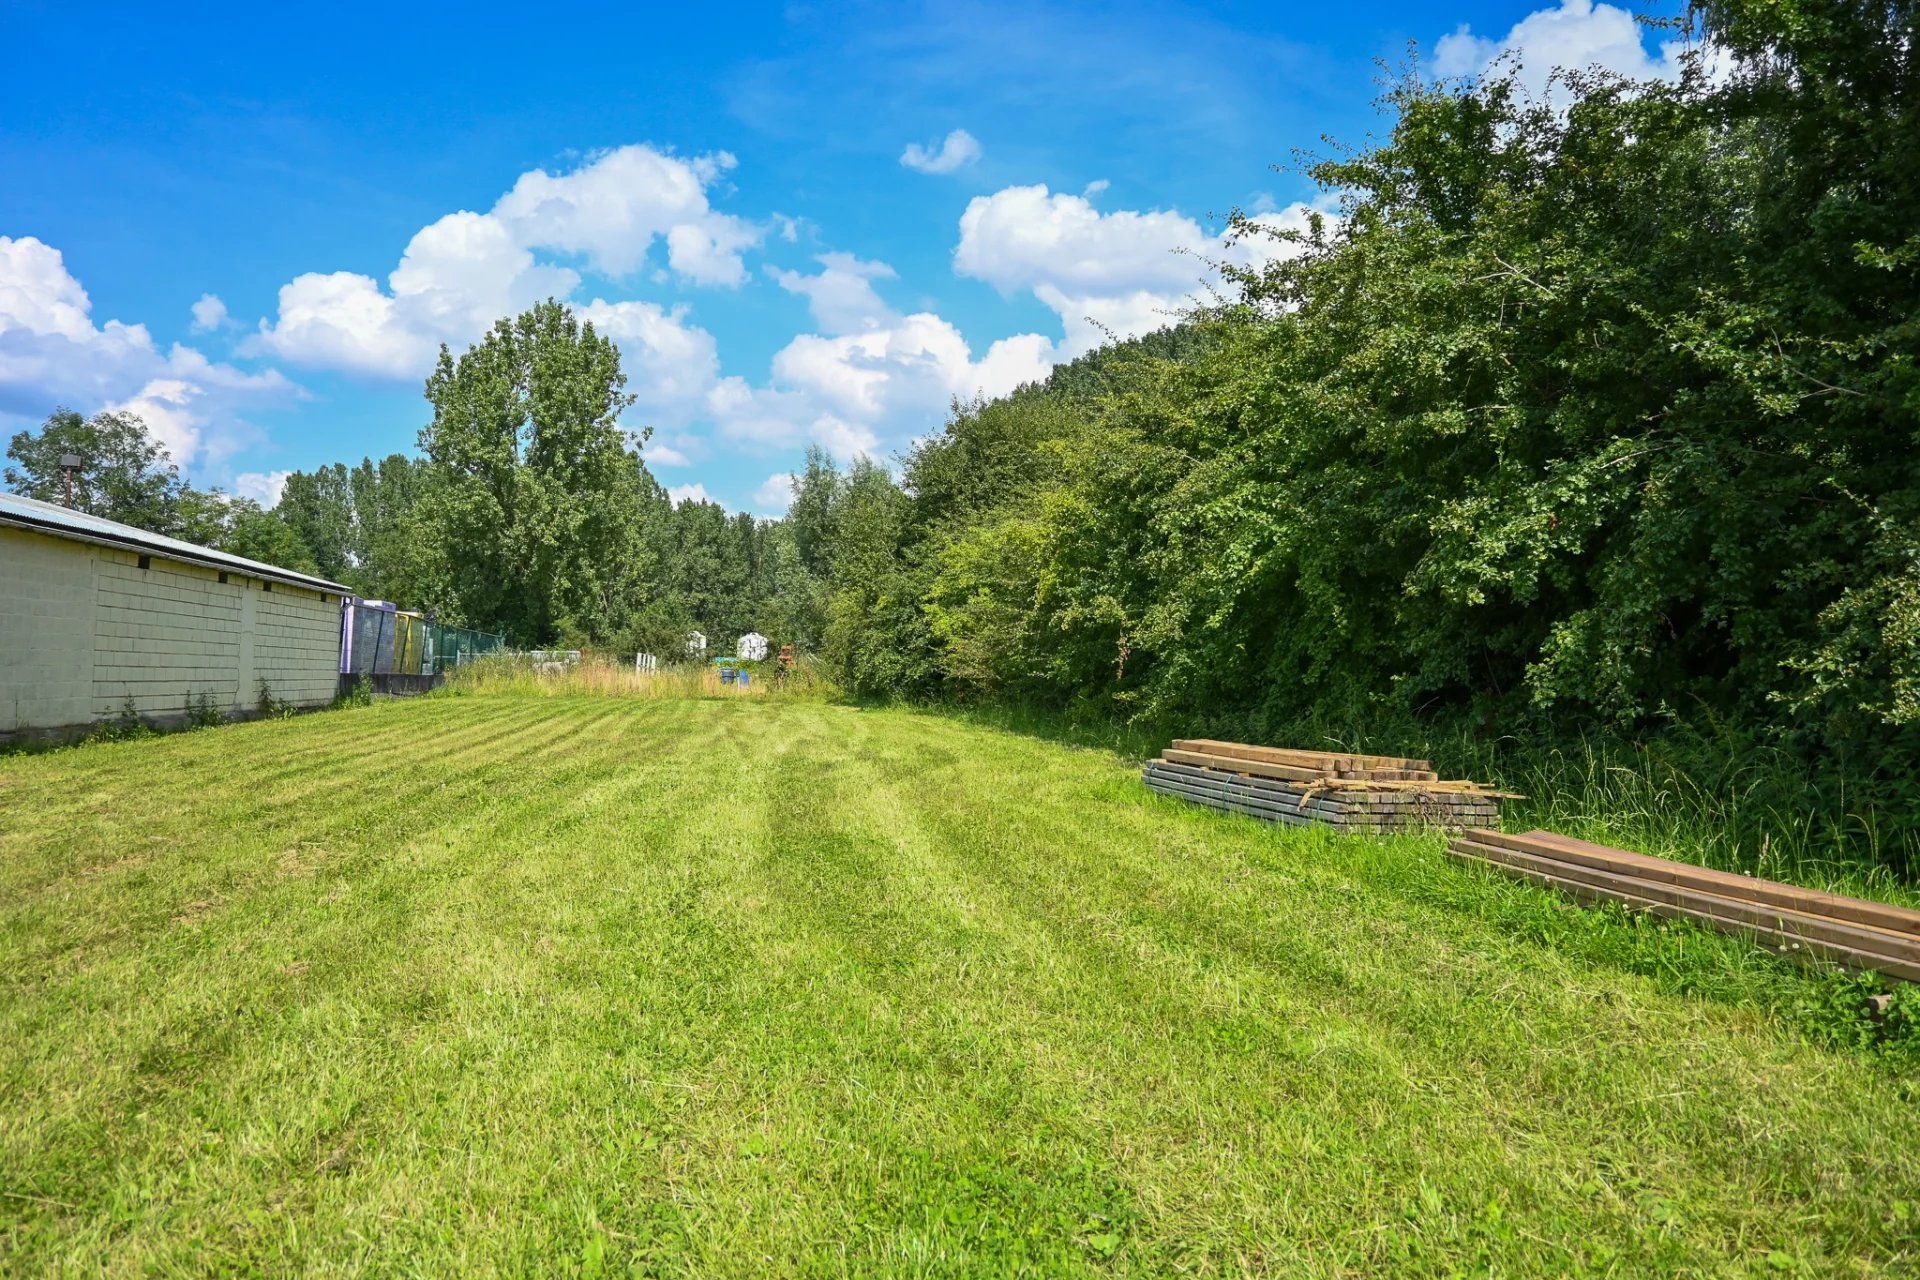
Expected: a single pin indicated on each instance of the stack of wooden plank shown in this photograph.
(1334, 788)
(1803, 923)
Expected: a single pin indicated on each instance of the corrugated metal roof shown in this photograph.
(45, 517)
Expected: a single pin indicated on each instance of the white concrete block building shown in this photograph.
(95, 615)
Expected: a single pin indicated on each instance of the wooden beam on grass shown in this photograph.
(1236, 764)
(1729, 884)
(1716, 913)
(1323, 761)
(1798, 926)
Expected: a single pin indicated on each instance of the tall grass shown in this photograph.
(601, 676)
(1698, 793)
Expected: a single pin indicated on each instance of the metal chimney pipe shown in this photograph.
(70, 463)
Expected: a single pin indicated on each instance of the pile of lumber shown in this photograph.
(1332, 788)
(1802, 923)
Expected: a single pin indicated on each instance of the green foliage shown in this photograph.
(319, 507)
(357, 694)
(1584, 419)
(126, 475)
(224, 522)
(876, 635)
(533, 514)
(125, 726)
(264, 536)
(534, 510)
(368, 526)
(204, 711)
(270, 706)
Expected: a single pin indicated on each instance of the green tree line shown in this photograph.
(528, 510)
(1592, 413)
(1597, 414)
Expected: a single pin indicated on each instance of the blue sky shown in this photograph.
(802, 223)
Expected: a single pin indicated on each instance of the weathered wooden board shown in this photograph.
(1794, 925)
(1252, 768)
(1329, 782)
(1704, 912)
(1727, 883)
(1322, 761)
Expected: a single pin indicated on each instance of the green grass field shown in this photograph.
(505, 985)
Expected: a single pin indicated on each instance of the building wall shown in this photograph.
(161, 635)
(296, 646)
(46, 631)
(85, 632)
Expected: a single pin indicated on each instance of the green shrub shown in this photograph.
(203, 711)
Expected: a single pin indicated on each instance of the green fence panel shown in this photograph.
(449, 647)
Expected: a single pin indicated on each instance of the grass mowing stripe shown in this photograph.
(268, 824)
(202, 885)
(718, 988)
(189, 1018)
(1403, 996)
(247, 774)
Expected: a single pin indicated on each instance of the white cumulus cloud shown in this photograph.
(775, 494)
(870, 376)
(209, 314)
(659, 453)
(680, 493)
(465, 270)
(671, 364)
(52, 354)
(841, 295)
(264, 487)
(1576, 36)
(614, 208)
(902, 373)
(863, 379)
(844, 440)
(1123, 273)
(955, 151)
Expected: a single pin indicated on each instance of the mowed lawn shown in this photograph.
(495, 985)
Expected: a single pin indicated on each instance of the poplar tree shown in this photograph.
(534, 496)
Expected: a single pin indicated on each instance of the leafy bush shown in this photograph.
(1577, 423)
(123, 727)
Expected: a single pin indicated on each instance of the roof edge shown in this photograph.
(172, 549)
